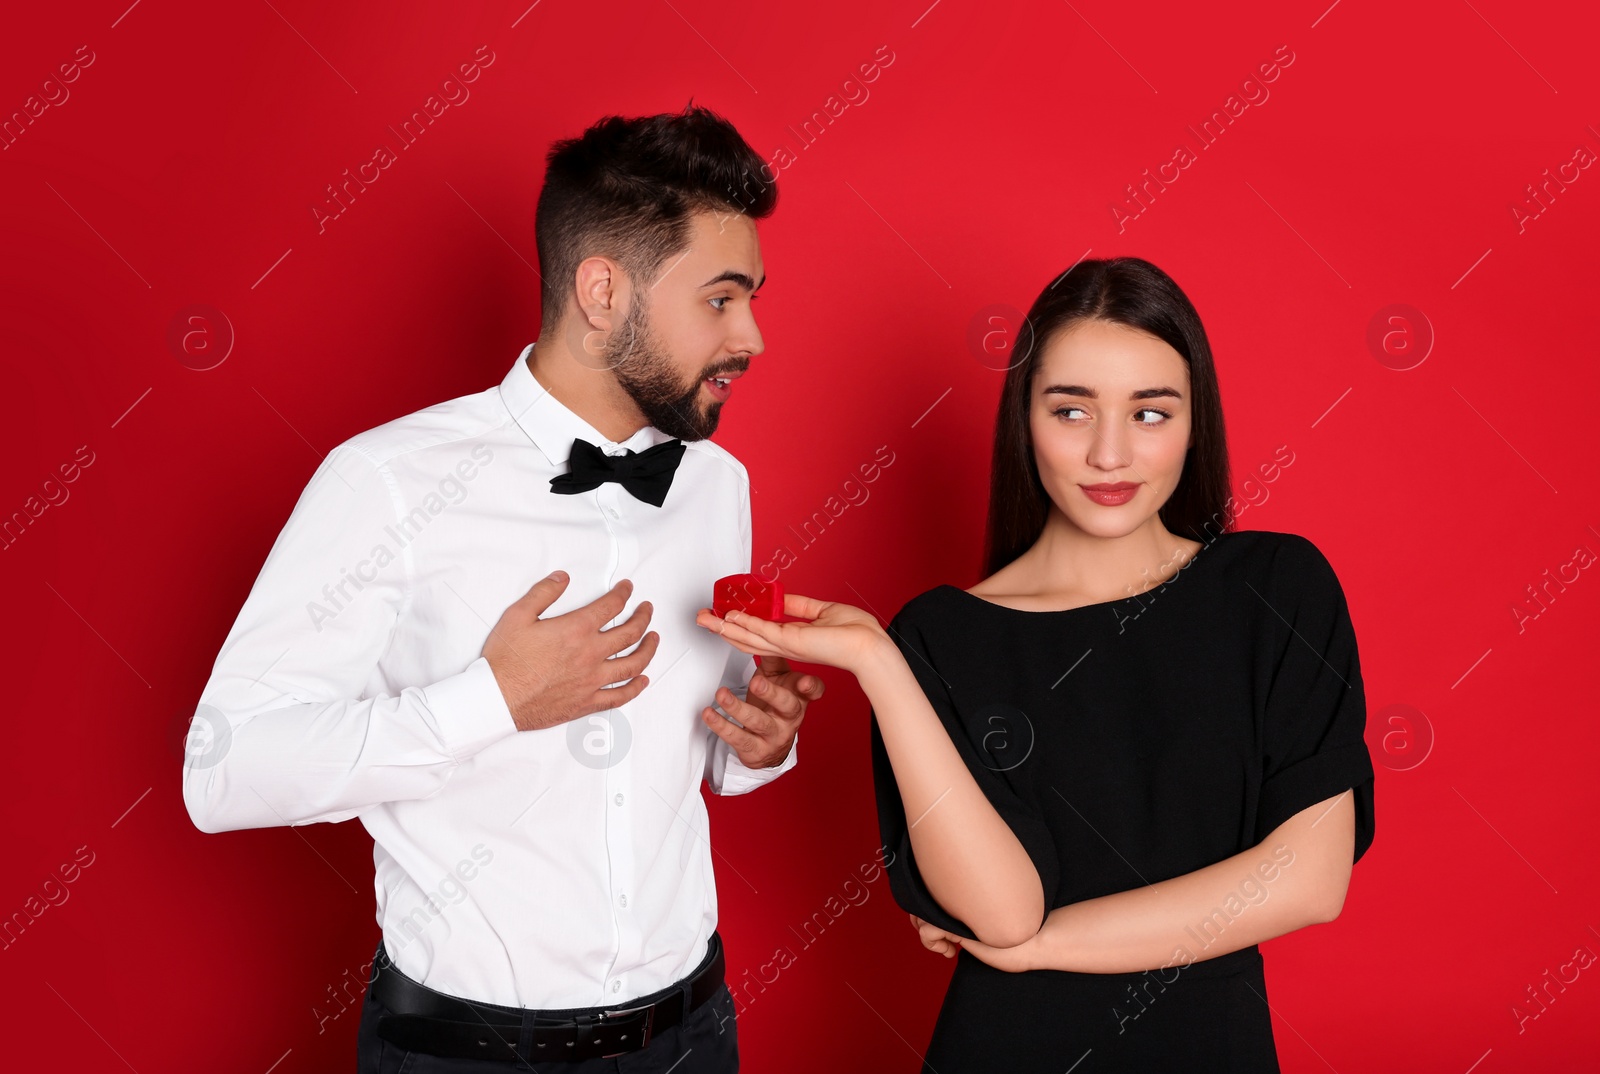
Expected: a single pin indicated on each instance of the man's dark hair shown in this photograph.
(627, 188)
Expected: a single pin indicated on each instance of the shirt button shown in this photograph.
(619, 799)
(612, 511)
(622, 900)
(615, 985)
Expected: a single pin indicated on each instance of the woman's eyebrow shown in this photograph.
(1090, 393)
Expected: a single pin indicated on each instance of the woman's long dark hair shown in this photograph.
(1128, 291)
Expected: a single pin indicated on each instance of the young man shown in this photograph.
(544, 878)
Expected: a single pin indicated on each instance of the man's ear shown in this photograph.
(600, 288)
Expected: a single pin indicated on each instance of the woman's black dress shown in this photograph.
(1126, 743)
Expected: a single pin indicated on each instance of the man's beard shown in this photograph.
(647, 374)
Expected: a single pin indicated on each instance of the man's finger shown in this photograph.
(802, 684)
(745, 744)
(755, 719)
(777, 668)
(775, 697)
(544, 593)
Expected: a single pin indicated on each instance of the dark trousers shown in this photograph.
(705, 1042)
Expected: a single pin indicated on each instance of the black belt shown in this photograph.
(420, 1019)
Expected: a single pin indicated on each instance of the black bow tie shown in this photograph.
(647, 474)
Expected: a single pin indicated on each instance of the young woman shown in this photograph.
(1134, 750)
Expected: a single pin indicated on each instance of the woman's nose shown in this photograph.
(1106, 449)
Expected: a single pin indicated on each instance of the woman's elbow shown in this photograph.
(1011, 929)
(1006, 935)
(1333, 903)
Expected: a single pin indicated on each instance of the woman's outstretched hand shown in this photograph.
(838, 635)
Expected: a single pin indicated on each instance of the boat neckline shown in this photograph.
(1198, 556)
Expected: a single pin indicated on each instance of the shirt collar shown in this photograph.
(551, 425)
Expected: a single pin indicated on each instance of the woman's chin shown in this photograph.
(1106, 522)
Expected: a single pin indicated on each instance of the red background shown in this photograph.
(1381, 169)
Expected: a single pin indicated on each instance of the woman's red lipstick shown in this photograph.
(1111, 495)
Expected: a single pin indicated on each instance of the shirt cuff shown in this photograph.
(737, 779)
(469, 710)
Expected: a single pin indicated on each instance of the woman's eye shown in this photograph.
(1160, 415)
(719, 298)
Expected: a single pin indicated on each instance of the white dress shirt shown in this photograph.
(564, 867)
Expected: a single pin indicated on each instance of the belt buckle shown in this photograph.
(617, 1015)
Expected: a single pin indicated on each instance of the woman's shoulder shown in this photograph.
(1282, 561)
(939, 620)
(1268, 544)
(931, 605)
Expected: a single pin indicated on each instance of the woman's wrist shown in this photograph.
(878, 662)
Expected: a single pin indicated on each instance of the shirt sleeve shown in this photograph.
(287, 731)
(726, 773)
(1316, 711)
(905, 880)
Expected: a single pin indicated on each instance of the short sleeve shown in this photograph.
(905, 880)
(1316, 711)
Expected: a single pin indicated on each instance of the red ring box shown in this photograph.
(747, 592)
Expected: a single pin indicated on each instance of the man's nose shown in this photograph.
(749, 341)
